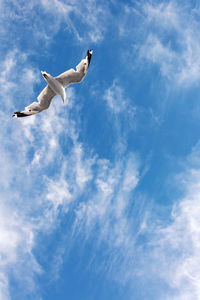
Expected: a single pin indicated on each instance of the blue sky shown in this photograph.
(100, 196)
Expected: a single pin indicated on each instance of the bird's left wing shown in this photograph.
(44, 100)
(45, 97)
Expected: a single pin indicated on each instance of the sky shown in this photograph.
(100, 197)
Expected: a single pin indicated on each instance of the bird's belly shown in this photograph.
(55, 85)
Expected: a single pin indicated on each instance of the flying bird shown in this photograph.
(56, 86)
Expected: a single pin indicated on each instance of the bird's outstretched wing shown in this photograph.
(72, 76)
(44, 100)
(45, 97)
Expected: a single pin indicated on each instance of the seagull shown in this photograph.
(56, 86)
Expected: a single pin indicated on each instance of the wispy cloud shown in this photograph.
(10, 80)
(4, 293)
(173, 247)
(86, 21)
(16, 230)
(177, 56)
(106, 213)
(122, 113)
(167, 37)
(116, 100)
(91, 14)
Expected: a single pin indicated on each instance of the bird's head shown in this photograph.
(44, 74)
(87, 60)
(89, 56)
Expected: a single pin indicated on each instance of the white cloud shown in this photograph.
(121, 108)
(16, 230)
(85, 20)
(170, 249)
(105, 214)
(4, 294)
(122, 114)
(176, 246)
(168, 257)
(59, 193)
(161, 14)
(115, 98)
(165, 34)
(173, 42)
(156, 52)
(13, 84)
(90, 14)
(16, 244)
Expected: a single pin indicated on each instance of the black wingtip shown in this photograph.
(89, 55)
(19, 114)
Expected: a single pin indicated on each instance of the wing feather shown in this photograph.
(45, 97)
(44, 100)
(70, 76)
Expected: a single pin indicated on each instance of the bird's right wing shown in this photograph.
(44, 100)
(70, 76)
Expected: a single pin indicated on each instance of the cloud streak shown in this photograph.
(85, 21)
(168, 39)
(177, 58)
(169, 257)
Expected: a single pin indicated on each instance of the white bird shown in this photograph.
(56, 86)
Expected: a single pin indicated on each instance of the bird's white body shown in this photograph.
(56, 86)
